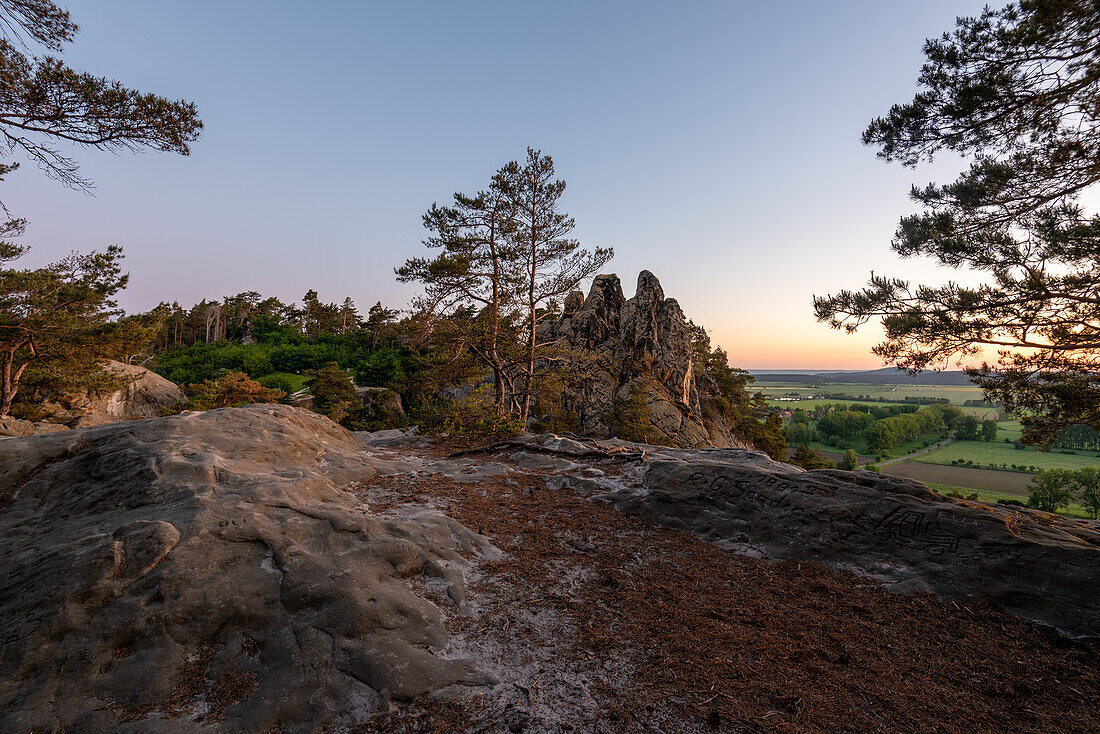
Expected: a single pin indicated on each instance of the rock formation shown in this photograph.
(637, 344)
(207, 567)
(143, 394)
(381, 405)
(897, 531)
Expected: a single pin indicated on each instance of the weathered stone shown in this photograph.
(17, 427)
(642, 342)
(1032, 564)
(381, 405)
(143, 565)
(143, 394)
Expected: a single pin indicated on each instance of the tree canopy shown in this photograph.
(59, 318)
(504, 259)
(44, 102)
(1018, 91)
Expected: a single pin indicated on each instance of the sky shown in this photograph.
(716, 144)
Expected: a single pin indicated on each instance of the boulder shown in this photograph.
(207, 572)
(644, 342)
(381, 406)
(142, 394)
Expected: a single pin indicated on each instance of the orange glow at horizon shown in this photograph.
(756, 346)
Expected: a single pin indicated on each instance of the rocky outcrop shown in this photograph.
(261, 569)
(641, 347)
(206, 572)
(17, 427)
(136, 393)
(897, 531)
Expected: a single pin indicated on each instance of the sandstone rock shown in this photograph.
(1032, 564)
(16, 427)
(638, 343)
(205, 572)
(144, 394)
(1026, 562)
(382, 406)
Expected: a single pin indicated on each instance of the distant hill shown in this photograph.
(884, 376)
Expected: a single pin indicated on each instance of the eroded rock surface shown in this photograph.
(1028, 563)
(135, 393)
(206, 572)
(16, 427)
(641, 344)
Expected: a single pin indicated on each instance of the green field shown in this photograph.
(773, 391)
(297, 382)
(1073, 510)
(956, 394)
(998, 453)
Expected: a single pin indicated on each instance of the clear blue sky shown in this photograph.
(716, 144)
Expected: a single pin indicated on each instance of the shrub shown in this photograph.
(849, 462)
(332, 391)
(231, 389)
(808, 458)
(474, 416)
(280, 383)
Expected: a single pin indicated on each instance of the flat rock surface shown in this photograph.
(596, 620)
(16, 427)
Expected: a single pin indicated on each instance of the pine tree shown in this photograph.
(549, 264)
(59, 318)
(473, 272)
(1018, 90)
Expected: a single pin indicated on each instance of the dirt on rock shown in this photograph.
(261, 569)
(597, 621)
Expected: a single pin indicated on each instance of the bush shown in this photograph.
(387, 366)
(849, 462)
(808, 458)
(474, 417)
(332, 391)
(280, 383)
(229, 390)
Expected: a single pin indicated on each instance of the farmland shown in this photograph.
(1074, 510)
(994, 469)
(808, 395)
(1006, 456)
(1005, 482)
